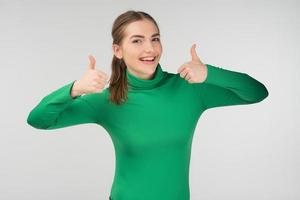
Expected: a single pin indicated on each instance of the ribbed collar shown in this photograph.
(136, 83)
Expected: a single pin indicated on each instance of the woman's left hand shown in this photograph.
(194, 71)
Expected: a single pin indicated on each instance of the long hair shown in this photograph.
(118, 87)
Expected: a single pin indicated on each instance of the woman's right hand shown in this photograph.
(93, 80)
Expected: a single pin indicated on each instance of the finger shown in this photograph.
(102, 74)
(182, 67)
(194, 54)
(97, 89)
(92, 62)
(184, 74)
(99, 81)
(187, 77)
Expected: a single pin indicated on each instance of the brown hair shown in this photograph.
(118, 81)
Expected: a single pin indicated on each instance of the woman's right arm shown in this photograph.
(59, 109)
(68, 106)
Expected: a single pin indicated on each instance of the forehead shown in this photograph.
(141, 27)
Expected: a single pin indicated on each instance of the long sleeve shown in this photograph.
(224, 87)
(58, 109)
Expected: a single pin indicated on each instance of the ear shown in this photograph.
(117, 51)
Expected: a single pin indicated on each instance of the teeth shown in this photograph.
(148, 59)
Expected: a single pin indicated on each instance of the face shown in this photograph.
(134, 48)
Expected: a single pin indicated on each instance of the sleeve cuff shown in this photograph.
(70, 86)
(212, 72)
(63, 94)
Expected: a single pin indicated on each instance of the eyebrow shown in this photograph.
(141, 36)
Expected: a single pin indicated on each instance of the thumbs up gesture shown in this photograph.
(194, 71)
(93, 80)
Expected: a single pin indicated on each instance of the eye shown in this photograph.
(134, 41)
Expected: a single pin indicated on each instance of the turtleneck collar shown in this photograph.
(137, 83)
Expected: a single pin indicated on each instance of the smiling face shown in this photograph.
(141, 41)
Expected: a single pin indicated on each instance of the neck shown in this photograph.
(141, 76)
(138, 83)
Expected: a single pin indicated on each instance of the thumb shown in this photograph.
(194, 54)
(92, 62)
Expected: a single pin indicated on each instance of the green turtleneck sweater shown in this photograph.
(152, 132)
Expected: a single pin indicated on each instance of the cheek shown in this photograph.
(134, 53)
(159, 49)
(131, 55)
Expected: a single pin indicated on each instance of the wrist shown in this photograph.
(205, 72)
(75, 91)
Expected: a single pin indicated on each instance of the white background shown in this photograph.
(239, 152)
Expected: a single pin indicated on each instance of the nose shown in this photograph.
(149, 47)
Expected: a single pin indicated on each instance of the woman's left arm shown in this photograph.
(217, 87)
(224, 87)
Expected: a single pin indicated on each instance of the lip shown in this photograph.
(148, 57)
(149, 62)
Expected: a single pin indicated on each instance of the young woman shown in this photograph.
(150, 114)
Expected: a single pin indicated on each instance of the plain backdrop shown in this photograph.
(239, 152)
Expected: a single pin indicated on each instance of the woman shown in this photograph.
(150, 114)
